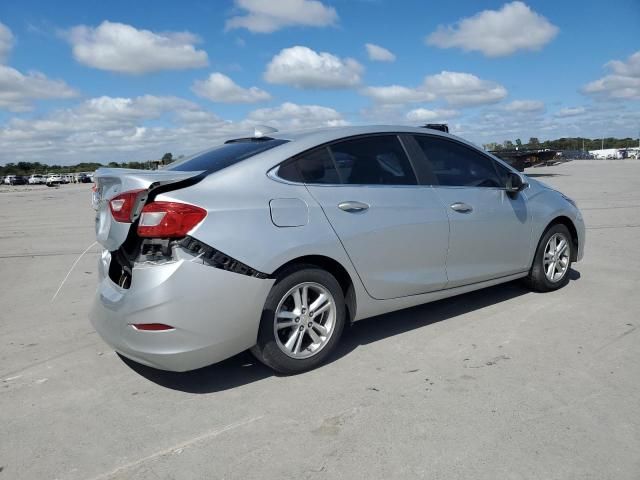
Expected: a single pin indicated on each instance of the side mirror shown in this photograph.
(515, 183)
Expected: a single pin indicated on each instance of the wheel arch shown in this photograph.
(567, 222)
(335, 268)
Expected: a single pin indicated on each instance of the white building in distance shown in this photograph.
(616, 153)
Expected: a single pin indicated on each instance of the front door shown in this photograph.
(490, 229)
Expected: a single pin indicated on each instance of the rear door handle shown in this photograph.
(461, 207)
(353, 206)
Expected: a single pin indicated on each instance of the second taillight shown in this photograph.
(169, 219)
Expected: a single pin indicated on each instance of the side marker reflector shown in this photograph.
(152, 327)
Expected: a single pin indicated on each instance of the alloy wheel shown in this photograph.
(556, 257)
(304, 320)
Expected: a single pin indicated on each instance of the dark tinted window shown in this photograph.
(373, 160)
(312, 167)
(454, 164)
(503, 172)
(224, 155)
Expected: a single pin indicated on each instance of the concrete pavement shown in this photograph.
(500, 383)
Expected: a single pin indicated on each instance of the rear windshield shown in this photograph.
(224, 155)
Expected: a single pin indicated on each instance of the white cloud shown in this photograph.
(265, 16)
(118, 109)
(622, 83)
(292, 116)
(455, 88)
(497, 33)
(119, 129)
(113, 129)
(397, 94)
(18, 90)
(220, 88)
(464, 89)
(6, 42)
(526, 106)
(140, 128)
(603, 120)
(122, 48)
(570, 111)
(303, 67)
(424, 115)
(378, 53)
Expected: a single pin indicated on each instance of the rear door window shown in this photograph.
(457, 165)
(373, 160)
(224, 155)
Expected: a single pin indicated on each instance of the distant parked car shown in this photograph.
(14, 180)
(36, 179)
(54, 179)
(83, 178)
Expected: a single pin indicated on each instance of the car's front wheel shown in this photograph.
(302, 320)
(551, 265)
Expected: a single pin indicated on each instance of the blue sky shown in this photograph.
(121, 80)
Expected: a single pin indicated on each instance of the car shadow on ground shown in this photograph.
(243, 368)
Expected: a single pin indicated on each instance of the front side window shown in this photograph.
(503, 172)
(373, 160)
(456, 165)
(311, 167)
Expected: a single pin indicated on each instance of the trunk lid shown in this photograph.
(111, 182)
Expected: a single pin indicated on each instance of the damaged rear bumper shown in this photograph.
(214, 313)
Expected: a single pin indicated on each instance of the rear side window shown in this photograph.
(315, 166)
(456, 165)
(224, 155)
(373, 160)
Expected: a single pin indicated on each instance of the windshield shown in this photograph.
(224, 155)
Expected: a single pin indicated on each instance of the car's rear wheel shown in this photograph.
(551, 265)
(302, 320)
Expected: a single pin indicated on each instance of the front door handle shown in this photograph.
(353, 206)
(461, 207)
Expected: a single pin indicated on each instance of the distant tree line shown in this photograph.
(29, 168)
(575, 143)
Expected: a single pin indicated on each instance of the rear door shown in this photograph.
(490, 229)
(394, 230)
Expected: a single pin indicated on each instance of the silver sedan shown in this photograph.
(274, 242)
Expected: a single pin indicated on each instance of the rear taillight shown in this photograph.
(169, 219)
(122, 206)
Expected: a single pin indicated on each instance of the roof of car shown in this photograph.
(327, 134)
(303, 139)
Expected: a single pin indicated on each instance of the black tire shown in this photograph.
(537, 279)
(267, 349)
